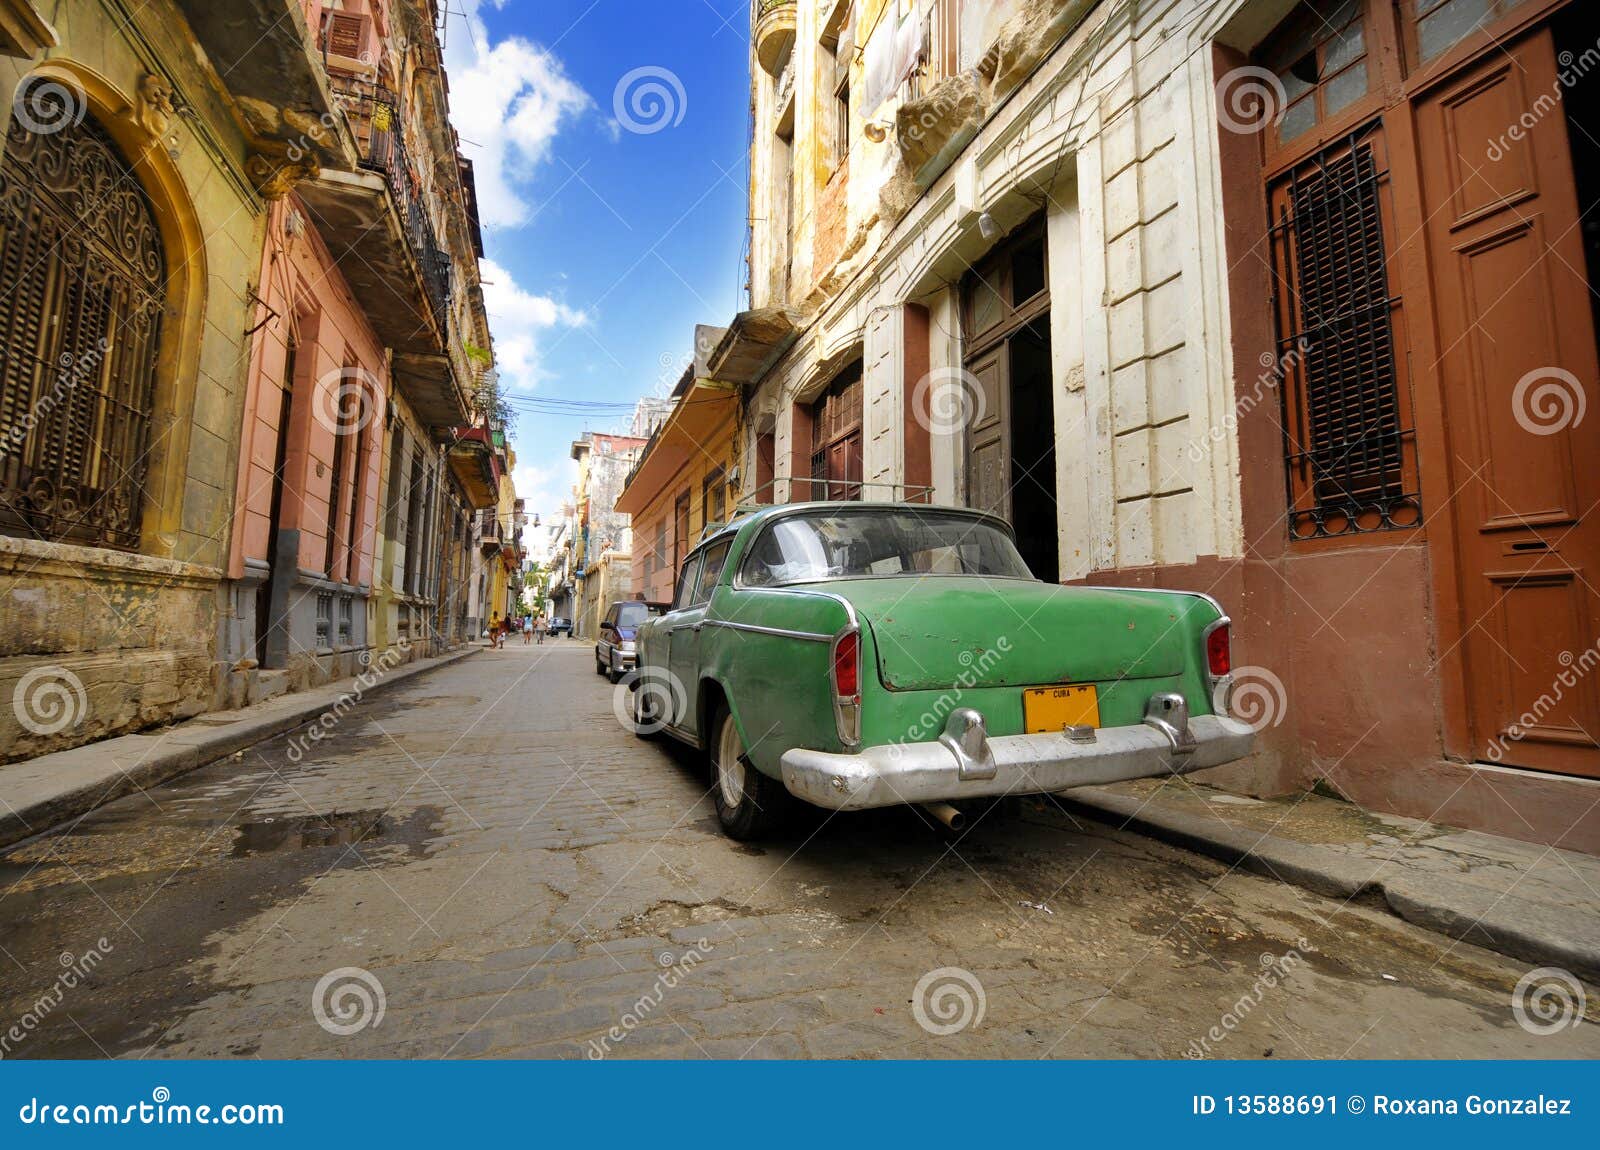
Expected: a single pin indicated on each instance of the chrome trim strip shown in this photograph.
(1155, 591)
(681, 735)
(780, 632)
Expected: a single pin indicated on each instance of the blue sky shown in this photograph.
(609, 142)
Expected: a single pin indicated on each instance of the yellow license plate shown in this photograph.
(1055, 708)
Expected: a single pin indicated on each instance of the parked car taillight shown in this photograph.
(847, 665)
(1219, 651)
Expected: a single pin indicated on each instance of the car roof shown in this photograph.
(756, 516)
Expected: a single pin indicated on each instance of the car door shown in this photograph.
(684, 658)
(676, 630)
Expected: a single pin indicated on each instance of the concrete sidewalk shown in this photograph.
(37, 794)
(1538, 904)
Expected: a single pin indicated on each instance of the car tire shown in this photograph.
(645, 726)
(750, 805)
(599, 667)
(613, 675)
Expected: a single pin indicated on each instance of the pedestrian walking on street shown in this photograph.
(494, 630)
(527, 630)
(540, 626)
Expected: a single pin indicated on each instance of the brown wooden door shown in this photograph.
(989, 435)
(1517, 372)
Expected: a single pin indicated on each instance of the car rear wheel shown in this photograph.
(645, 721)
(750, 805)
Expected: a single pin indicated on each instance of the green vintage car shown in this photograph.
(858, 655)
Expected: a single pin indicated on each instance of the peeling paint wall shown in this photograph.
(125, 640)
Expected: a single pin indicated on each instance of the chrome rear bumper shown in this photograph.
(965, 763)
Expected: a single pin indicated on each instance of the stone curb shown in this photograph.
(1539, 933)
(39, 794)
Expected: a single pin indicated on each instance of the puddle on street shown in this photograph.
(310, 832)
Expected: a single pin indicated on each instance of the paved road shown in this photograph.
(489, 855)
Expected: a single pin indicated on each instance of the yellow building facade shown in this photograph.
(686, 478)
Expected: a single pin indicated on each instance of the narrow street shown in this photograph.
(513, 873)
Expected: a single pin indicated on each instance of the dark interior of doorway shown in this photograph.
(1576, 30)
(1033, 450)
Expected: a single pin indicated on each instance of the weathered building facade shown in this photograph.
(600, 531)
(686, 478)
(133, 186)
(1212, 294)
(351, 539)
(246, 335)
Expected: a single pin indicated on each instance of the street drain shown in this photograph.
(311, 832)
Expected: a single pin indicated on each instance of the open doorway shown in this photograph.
(1010, 440)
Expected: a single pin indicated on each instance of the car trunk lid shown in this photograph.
(972, 631)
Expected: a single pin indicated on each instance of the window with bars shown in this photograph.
(836, 438)
(83, 274)
(1350, 449)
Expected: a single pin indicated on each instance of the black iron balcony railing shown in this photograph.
(374, 117)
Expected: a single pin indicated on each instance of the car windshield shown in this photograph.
(878, 541)
(632, 614)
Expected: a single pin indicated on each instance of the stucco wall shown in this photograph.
(129, 638)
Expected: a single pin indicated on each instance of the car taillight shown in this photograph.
(847, 665)
(1219, 652)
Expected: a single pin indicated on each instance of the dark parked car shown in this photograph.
(560, 626)
(614, 653)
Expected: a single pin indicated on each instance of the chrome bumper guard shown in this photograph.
(965, 763)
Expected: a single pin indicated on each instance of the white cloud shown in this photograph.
(508, 101)
(517, 317)
(543, 490)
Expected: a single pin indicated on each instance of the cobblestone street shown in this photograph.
(513, 873)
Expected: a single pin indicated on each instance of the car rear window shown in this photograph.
(631, 614)
(878, 542)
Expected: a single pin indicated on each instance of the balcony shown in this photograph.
(378, 230)
(774, 24)
(490, 537)
(263, 51)
(476, 465)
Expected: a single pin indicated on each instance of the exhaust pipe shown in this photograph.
(946, 814)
